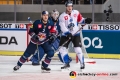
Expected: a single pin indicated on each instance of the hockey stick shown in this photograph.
(29, 19)
(69, 38)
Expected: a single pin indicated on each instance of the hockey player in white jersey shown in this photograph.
(68, 22)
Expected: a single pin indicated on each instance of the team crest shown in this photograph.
(66, 17)
(42, 36)
(39, 25)
(71, 20)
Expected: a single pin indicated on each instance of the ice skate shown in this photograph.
(66, 67)
(82, 66)
(16, 68)
(45, 69)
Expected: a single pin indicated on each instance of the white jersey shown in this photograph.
(65, 20)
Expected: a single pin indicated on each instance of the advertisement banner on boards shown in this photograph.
(97, 38)
(101, 42)
(86, 27)
(13, 40)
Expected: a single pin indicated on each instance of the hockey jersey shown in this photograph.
(69, 23)
(43, 31)
(56, 25)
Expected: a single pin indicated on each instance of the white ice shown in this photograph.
(102, 65)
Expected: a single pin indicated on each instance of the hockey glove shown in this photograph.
(35, 37)
(52, 38)
(69, 36)
(88, 20)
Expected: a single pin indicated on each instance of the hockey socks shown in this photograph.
(79, 54)
(46, 62)
(21, 61)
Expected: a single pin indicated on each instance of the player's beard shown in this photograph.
(44, 21)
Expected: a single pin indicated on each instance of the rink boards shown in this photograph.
(100, 40)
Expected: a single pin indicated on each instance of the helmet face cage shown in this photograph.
(69, 2)
(55, 14)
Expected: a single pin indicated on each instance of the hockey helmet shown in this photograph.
(45, 12)
(69, 3)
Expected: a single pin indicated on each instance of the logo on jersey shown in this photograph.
(42, 36)
(66, 17)
(49, 27)
(75, 15)
(39, 25)
(70, 26)
(71, 20)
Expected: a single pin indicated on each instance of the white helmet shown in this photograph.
(55, 14)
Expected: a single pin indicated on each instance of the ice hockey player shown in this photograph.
(68, 22)
(40, 32)
(53, 19)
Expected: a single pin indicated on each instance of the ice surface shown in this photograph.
(29, 72)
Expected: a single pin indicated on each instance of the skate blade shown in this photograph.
(66, 70)
(44, 71)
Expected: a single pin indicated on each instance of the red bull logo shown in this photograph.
(42, 36)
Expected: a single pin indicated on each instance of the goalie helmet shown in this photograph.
(55, 14)
(69, 3)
